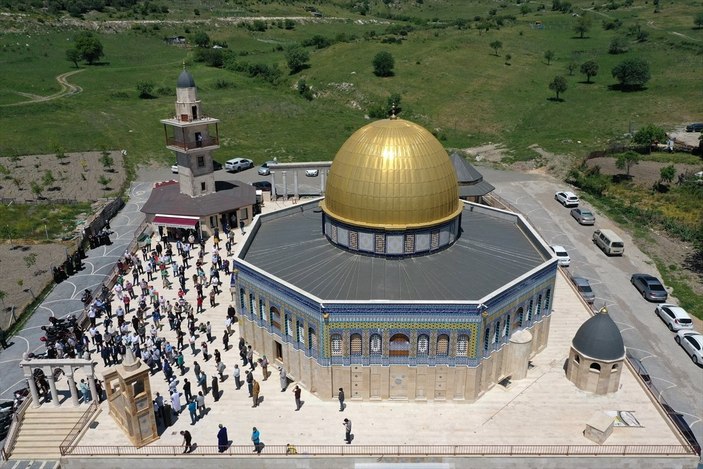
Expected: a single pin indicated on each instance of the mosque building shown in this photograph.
(391, 286)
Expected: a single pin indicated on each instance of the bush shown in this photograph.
(383, 64)
(317, 41)
(145, 89)
(618, 45)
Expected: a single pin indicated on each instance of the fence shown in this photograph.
(388, 450)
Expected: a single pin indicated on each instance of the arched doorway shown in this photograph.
(399, 346)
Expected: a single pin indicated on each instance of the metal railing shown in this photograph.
(389, 450)
(192, 144)
(72, 436)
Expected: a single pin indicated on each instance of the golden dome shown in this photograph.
(392, 174)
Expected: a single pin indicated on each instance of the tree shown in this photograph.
(571, 67)
(107, 160)
(508, 57)
(549, 56)
(89, 47)
(632, 73)
(145, 89)
(383, 64)
(495, 45)
(667, 173)
(627, 160)
(297, 58)
(698, 20)
(583, 25)
(48, 179)
(201, 39)
(649, 134)
(618, 45)
(558, 85)
(30, 259)
(72, 55)
(525, 9)
(104, 181)
(590, 69)
(60, 153)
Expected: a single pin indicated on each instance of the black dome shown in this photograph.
(599, 338)
(185, 80)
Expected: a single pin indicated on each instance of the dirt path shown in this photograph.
(67, 89)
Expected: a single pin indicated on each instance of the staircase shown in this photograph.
(42, 431)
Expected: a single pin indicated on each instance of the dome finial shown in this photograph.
(184, 64)
(603, 310)
(393, 112)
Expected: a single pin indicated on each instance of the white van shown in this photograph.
(609, 242)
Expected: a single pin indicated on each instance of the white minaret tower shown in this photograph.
(189, 136)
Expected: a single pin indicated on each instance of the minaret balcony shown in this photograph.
(177, 144)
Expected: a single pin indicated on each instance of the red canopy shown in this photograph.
(173, 221)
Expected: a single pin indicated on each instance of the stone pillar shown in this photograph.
(285, 186)
(323, 174)
(93, 389)
(72, 387)
(295, 185)
(518, 356)
(32, 388)
(273, 185)
(52, 386)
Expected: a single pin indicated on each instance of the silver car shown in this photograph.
(583, 216)
(584, 289)
(264, 169)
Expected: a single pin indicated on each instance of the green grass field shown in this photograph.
(449, 79)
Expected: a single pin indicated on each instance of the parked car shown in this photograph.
(238, 164)
(695, 127)
(675, 317)
(609, 242)
(264, 169)
(650, 287)
(174, 168)
(567, 199)
(563, 258)
(262, 185)
(583, 216)
(311, 173)
(692, 343)
(584, 288)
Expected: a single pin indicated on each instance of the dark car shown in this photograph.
(697, 127)
(650, 287)
(262, 185)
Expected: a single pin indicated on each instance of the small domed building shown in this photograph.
(597, 355)
(391, 287)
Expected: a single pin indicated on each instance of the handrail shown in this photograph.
(17, 418)
(78, 427)
(389, 450)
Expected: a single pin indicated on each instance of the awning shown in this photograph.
(172, 221)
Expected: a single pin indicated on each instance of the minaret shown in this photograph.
(189, 135)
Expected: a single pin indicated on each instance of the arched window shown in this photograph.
(312, 339)
(486, 339)
(594, 367)
(520, 314)
(355, 345)
(547, 296)
(375, 345)
(462, 345)
(538, 312)
(614, 368)
(506, 331)
(288, 324)
(529, 311)
(336, 344)
(275, 317)
(242, 302)
(252, 304)
(577, 359)
(299, 328)
(442, 345)
(262, 309)
(423, 345)
(399, 346)
(496, 337)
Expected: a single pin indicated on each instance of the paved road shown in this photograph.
(646, 337)
(65, 298)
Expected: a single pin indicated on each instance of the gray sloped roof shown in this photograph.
(185, 80)
(471, 183)
(167, 199)
(599, 338)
